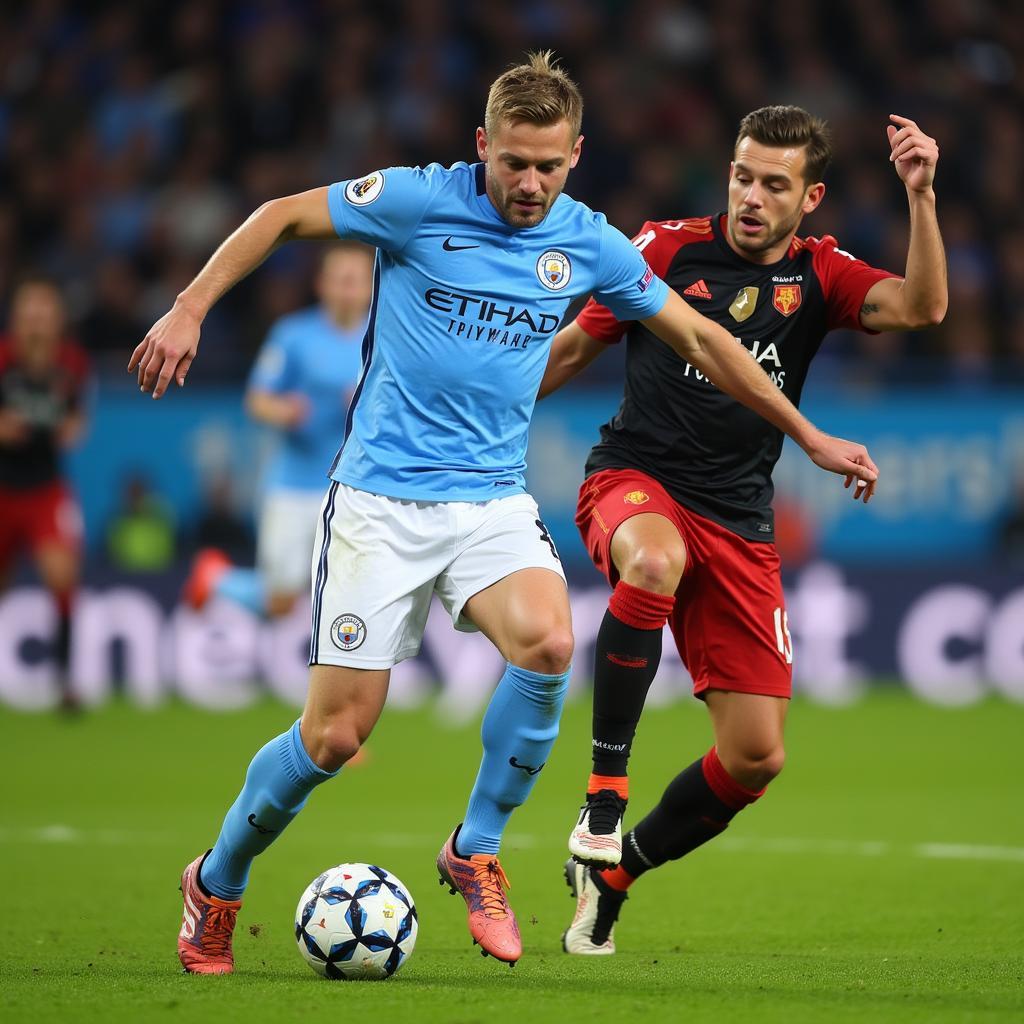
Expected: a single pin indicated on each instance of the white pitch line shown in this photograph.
(960, 851)
(58, 834)
(834, 847)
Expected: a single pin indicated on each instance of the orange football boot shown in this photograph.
(207, 923)
(482, 883)
(207, 568)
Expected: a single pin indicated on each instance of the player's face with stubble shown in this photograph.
(768, 197)
(527, 165)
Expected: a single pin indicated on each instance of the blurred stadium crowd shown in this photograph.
(134, 136)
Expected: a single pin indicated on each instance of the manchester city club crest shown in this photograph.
(348, 632)
(363, 191)
(554, 270)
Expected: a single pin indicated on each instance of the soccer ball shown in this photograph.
(356, 921)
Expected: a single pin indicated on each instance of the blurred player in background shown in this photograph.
(676, 507)
(475, 269)
(43, 377)
(300, 385)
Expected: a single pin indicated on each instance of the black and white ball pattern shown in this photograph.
(356, 921)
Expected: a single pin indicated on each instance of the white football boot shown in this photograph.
(597, 837)
(592, 932)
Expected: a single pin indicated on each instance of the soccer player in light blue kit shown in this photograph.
(300, 385)
(476, 265)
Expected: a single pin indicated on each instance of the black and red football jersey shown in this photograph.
(711, 453)
(42, 402)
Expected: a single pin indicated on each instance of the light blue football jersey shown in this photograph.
(306, 352)
(464, 310)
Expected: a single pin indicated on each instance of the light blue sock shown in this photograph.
(518, 731)
(279, 779)
(244, 587)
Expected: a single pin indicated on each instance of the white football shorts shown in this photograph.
(285, 536)
(377, 561)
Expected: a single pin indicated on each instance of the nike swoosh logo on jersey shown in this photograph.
(448, 247)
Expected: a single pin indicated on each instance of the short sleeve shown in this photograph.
(384, 208)
(601, 323)
(598, 320)
(272, 370)
(625, 282)
(845, 281)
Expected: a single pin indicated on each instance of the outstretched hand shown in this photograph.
(914, 153)
(167, 351)
(848, 459)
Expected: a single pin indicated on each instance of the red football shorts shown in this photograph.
(33, 517)
(729, 621)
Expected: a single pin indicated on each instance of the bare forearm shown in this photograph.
(274, 410)
(924, 288)
(237, 256)
(721, 358)
(571, 351)
(558, 374)
(304, 215)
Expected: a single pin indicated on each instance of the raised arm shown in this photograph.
(720, 356)
(170, 345)
(920, 299)
(572, 350)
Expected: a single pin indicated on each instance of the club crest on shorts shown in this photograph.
(363, 191)
(786, 298)
(554, 270)
(636, 497)
(348, 632)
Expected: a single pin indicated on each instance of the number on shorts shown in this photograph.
(545, 536)
(782, 637)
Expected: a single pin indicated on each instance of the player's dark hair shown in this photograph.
(788, 127)
(538, 92)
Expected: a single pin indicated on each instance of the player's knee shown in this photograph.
(549, 652)
(334, 741)
(755, 765)
(657, 568)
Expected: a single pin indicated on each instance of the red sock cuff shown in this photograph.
(639, 608)
(618, 878)
(618, 783)
(724, 786)
(64, 600)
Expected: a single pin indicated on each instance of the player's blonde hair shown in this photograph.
(537, 92)
(784, 126)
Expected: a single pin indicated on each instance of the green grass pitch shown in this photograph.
(881, 879)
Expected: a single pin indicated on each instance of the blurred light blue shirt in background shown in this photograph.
(307, 353)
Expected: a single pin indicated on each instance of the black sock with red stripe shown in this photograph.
(696, 806)
(627, 657)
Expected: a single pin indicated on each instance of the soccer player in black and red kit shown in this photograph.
(676, 506)
(42, 383)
